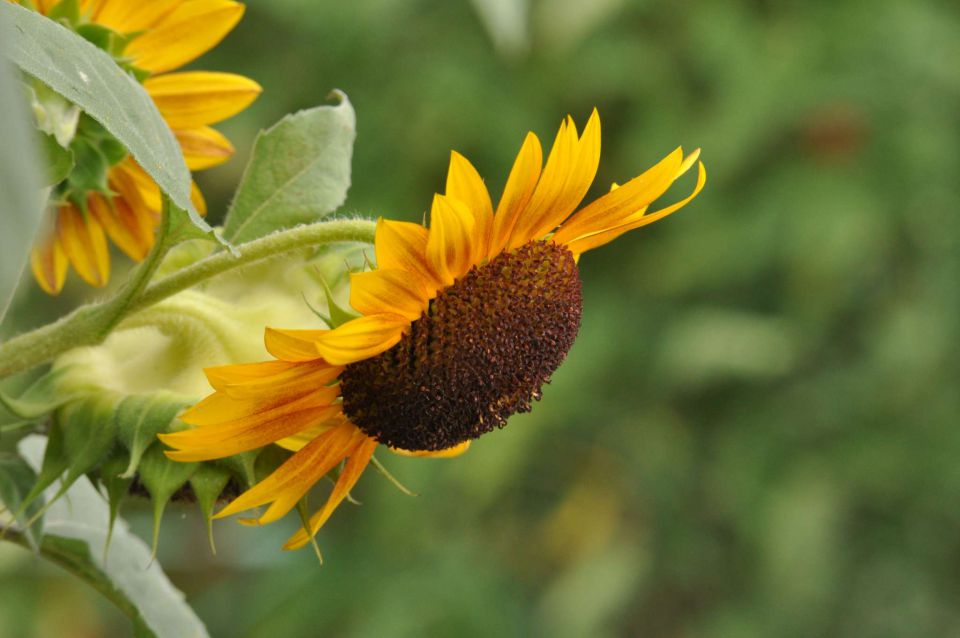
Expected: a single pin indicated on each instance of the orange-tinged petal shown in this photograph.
(351, 473)
(403, 245)
(277, 380)
(465, 184)
(126, 16)
(85, 245)
(570, 170)
(130, 231)
(196, 198)
(203, 147)
(184, 34)
(583, 244)
(361, 338)
(388, 291)
(289, 482)
(521, 184)
(300, 440)
(447, 453)
(220, 407)
(450, 245)
(293, 345)
(614, 208)
(49, 264)
(197, 98)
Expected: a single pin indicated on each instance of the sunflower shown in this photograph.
(459, 327)
(110, 195)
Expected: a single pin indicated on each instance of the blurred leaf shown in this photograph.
(207, 484)
(299, 172)
(91, 79)
(139, 418)
(162, 478)
(16, 479)
(21, 200)
(76, 528)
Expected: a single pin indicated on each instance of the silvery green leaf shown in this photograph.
(299, 172)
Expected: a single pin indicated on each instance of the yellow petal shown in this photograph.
(289, 482)
(292, 345)
(197, 98)
(465, 184)
(300, 440)
(361, 338)
(450, 247)
(351, 473)
(517, 193)
(126, 16)
(196, 198)
(220, 407)
(447, 453)
(570, 170)
(49, 264)
(133, 233)
(85, 245)
(616, 207)
(138, 189)
(590, 242)
(187, 32)
(388, 291)
(204, 147)
(403, 246)
(277, 380)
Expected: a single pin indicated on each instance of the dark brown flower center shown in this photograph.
(480, 353)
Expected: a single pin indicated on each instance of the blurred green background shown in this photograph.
(756, 433)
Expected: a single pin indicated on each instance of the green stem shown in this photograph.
(53, 549)
(90, 325)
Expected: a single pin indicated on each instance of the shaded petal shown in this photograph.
(184, 34)
(196, 98)
(220, 407)
(85, 245)
(465, 184)
(130, 231)
(278, 380)
(49, 264)
(403, 245)
(125, 16)
(289, 482)
(517, 193)
(583, 244)
(618, 205)
(447, 453)
(204, 147)
(388, 291)
(292, 345)
(450, 246)
(351, 473)
(196, 198)
(570, 170)
(361, 338)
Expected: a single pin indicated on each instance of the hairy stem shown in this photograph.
(90, 325)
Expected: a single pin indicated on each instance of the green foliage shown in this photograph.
(139, 418)
(90, 78)
(299, 172)
(59, 160)
(16, 480)
(162, 478)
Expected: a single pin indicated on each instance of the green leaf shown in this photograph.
(75, 531)
(139, 418)
(89, 77)
(207, 484)
(16, 479)
(21, 177)
(299, 172)
(162, 478)
(60, 160)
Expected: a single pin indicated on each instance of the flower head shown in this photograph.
(109, 194)
(461, 324)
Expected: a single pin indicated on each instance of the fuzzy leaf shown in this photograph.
(75, 531)
(207, 484)
(299, 172)
(41, 398)
(88, 77)
(162, 478)
(16, 480)
(139, 418)
(21, 176)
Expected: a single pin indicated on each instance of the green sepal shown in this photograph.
(139, 418)
(207, 484)
(162, 478)
(67, 12)
(269, 459)
(42, 397)
(59, 160)
(53, 466)
(89, 434)
(244, 465)
(117, 487)
(16, 480)
(90, 169)
(103, 38)
(339, 315)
